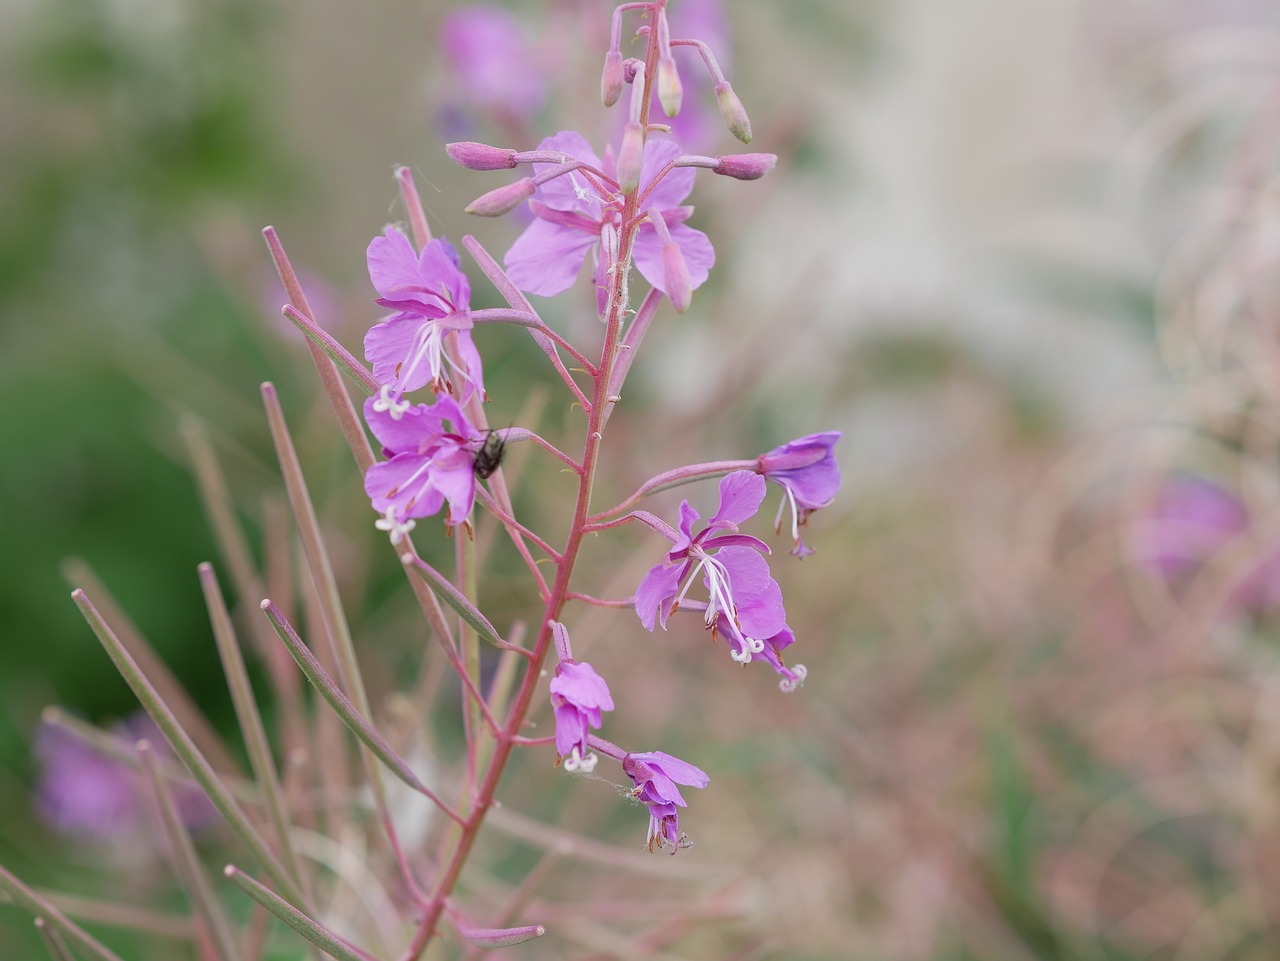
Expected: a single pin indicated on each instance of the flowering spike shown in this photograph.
(745, 166)
(503, 200)
(611, 78)
(480, 156)
(735, 115)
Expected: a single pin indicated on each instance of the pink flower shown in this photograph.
(579, 696)
(572, 211)
(432, 453)
(809, 476)
(432, 298)
(655, 776)
(489, 53)
(739, 585)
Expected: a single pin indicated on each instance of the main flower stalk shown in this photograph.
(559, 594)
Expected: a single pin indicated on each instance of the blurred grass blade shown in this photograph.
(129, 917)
(342, 706)
(118, 749)
(37, 906)
(343, 409)
(251, 727)
(445, 590)
(57, 948)
(185, 748)
(77, 573)
(321, 937)
(186, 866)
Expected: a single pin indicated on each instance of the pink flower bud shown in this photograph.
(498, 202)
(611, 79)
(733, 112)
(480, 156)
(502, 937)
(745, 166)
(630, 157)
(675, 277)
(670, 91)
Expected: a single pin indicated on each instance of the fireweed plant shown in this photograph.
(425, 393)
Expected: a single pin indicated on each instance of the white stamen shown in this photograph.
(788, 498)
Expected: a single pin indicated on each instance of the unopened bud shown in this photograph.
(745, 166)
(630, 157)
(670, 91)
(503, 200)
(502, 937)
(735, 115)
(611, 79)
(675, 276)
(480, 156)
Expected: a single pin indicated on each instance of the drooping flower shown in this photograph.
(432, 300)
(809, 476)
(432, 452)
(736, 576)
(655, 776)
(573, 211)
(579, 696)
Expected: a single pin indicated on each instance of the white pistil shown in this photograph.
(390, 402)
(789, 684)
(394, 526)
(575, 763)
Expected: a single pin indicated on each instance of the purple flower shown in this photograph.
(736, 576)
(579, 696)
(82, 792)
(572, 212)
(809, 476)
(489, 53)
(432, 453)
(1192, 519)
(655, 776)
(432, 300)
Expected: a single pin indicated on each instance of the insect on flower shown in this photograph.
(489, 456)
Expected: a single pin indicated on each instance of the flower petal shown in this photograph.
(740, 495)
(546, 258)
(656, 588)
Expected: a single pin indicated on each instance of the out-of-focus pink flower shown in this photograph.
(85, 794)
(492, 59)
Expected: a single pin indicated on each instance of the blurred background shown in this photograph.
(1026, 257)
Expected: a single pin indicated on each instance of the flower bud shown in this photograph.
(745, 166)
(498, 202)
(480, 156)
(611, 79)
(630, 157)
(735, 115)
(675, 277)
(502, 937)
(670, 91)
